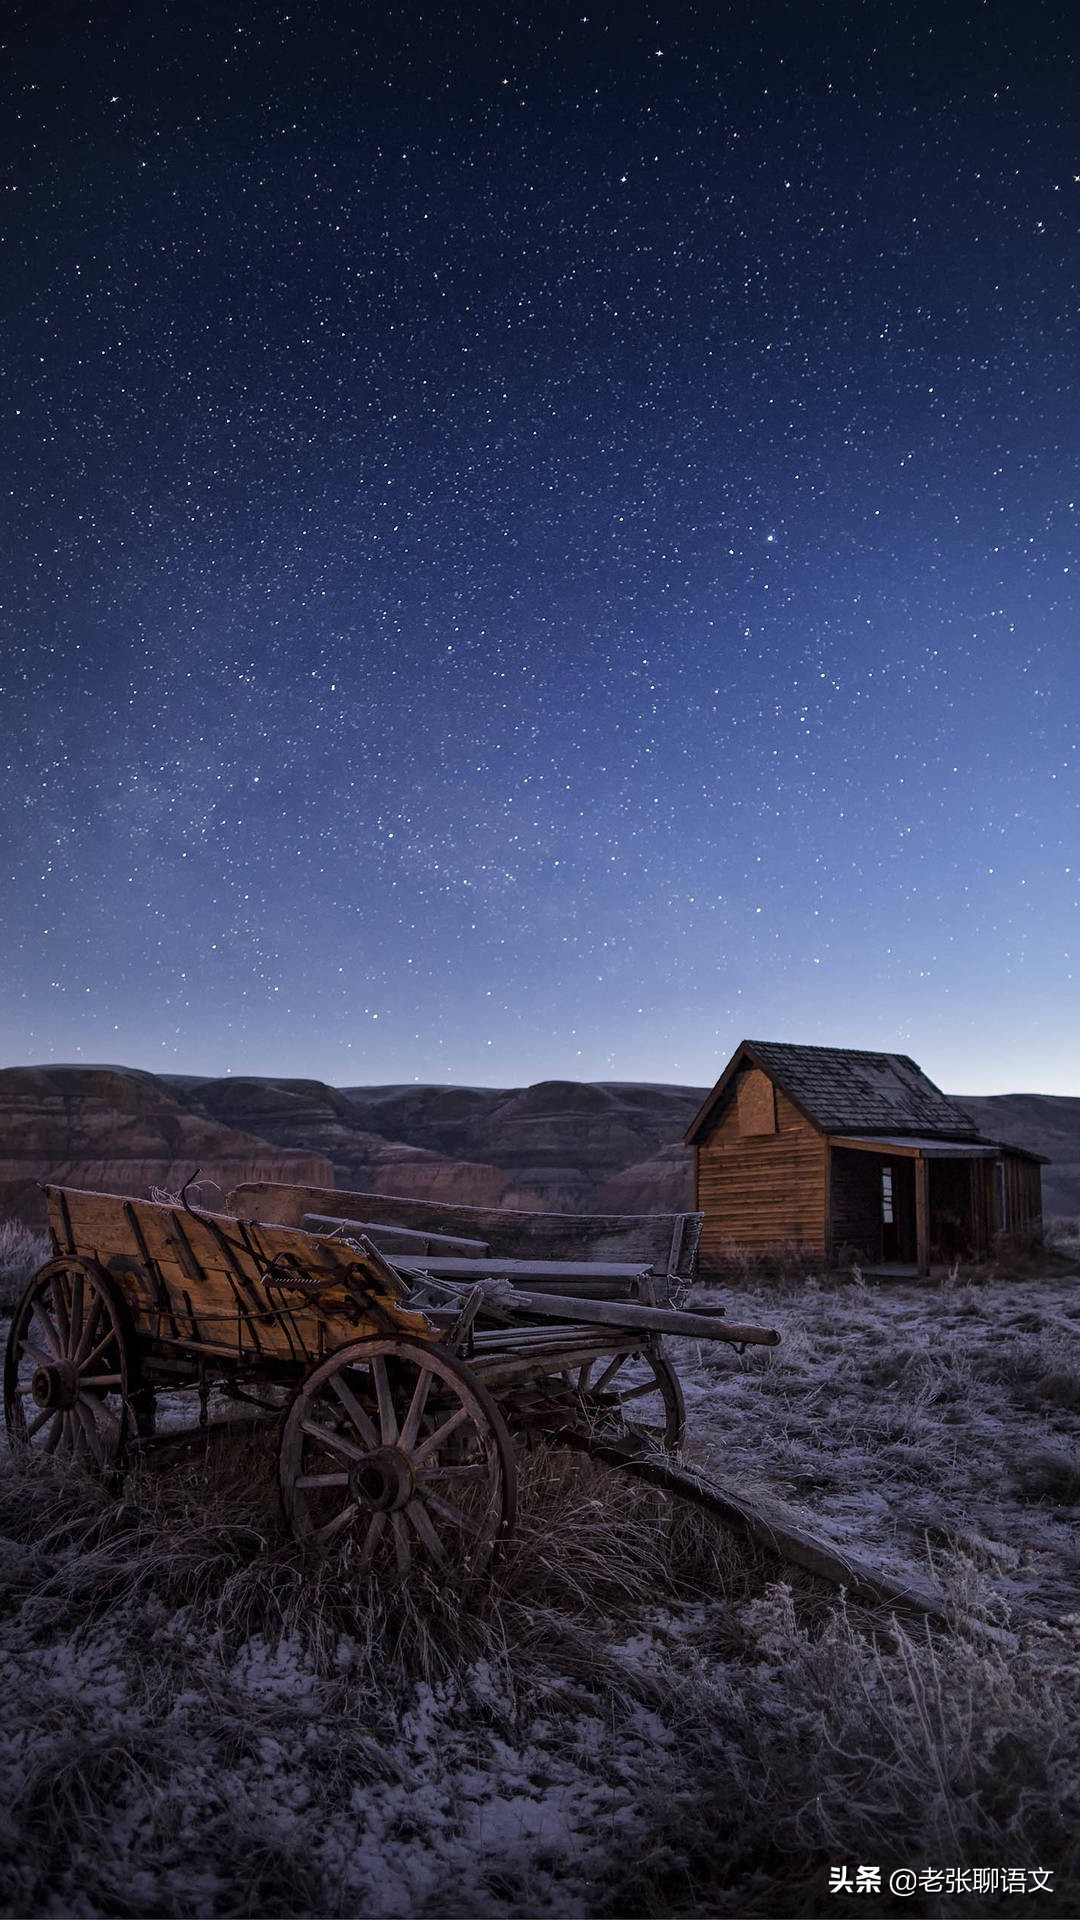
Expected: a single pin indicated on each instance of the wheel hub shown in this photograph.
(384, 1481)
(55, 1386)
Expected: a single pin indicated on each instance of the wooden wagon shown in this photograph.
(398, 1349)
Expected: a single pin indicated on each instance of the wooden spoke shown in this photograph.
(99, 1351)
(402, 1550)
(427, 1474)
(420, 1519)
(102, 1412)
(436, 1424)
(371, 1541)
(646, 1381)
(333, 1527)
(60, 1312)
(355, 1411)
(387, 1416)
(39, 1354)
(76, 1305)
(441, 1435)
(89, 1432)
(47, 1329)
(435, 1504)
(609, 1373)
(336, 1442)
(67, 1366)
(93, 1319)
(416, 1410)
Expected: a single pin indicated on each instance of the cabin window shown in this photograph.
(887, 1214)
(757, 1102)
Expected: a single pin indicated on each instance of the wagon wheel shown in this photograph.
(67, 1365)
(635, 1393)
(393, 1449)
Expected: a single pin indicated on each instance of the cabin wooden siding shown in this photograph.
(1021, 1183)
(791, 1145)
(762, 1190)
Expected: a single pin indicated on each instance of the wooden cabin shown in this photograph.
(848, 1155)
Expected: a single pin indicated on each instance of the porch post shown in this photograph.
(827, 1247)
(922, 1214)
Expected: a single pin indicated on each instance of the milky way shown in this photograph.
(540, 547)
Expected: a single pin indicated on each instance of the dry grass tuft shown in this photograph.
(22, 1252)
(1027, 1253)
(783, 1265)
(1048, 1474)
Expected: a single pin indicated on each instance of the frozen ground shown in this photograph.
(914, 1420)
(640, 1716)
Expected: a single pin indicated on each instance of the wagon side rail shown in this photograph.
(226, 1291)
(666, 1243)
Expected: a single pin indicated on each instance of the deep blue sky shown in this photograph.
(540, 545)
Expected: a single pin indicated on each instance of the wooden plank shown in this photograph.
(530, 1339)
(628, 1316)
(763, 1192)
(644, 1291)
(755, 1102)
(408, 1239)
(522, 1269)
(886, 1149)
(768, 1526)
(500, 1370)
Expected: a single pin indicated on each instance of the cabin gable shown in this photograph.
(759, 1170)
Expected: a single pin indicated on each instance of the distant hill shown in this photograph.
(561, 1145)
(118, 1130)
(558, 1145)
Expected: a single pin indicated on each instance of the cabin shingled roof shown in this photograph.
(845, 1090)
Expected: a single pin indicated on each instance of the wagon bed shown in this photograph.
(398, 1346)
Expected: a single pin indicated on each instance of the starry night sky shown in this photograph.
(539, 546)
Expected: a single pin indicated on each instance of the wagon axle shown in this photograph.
(385, 1483)
(55, 1386)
